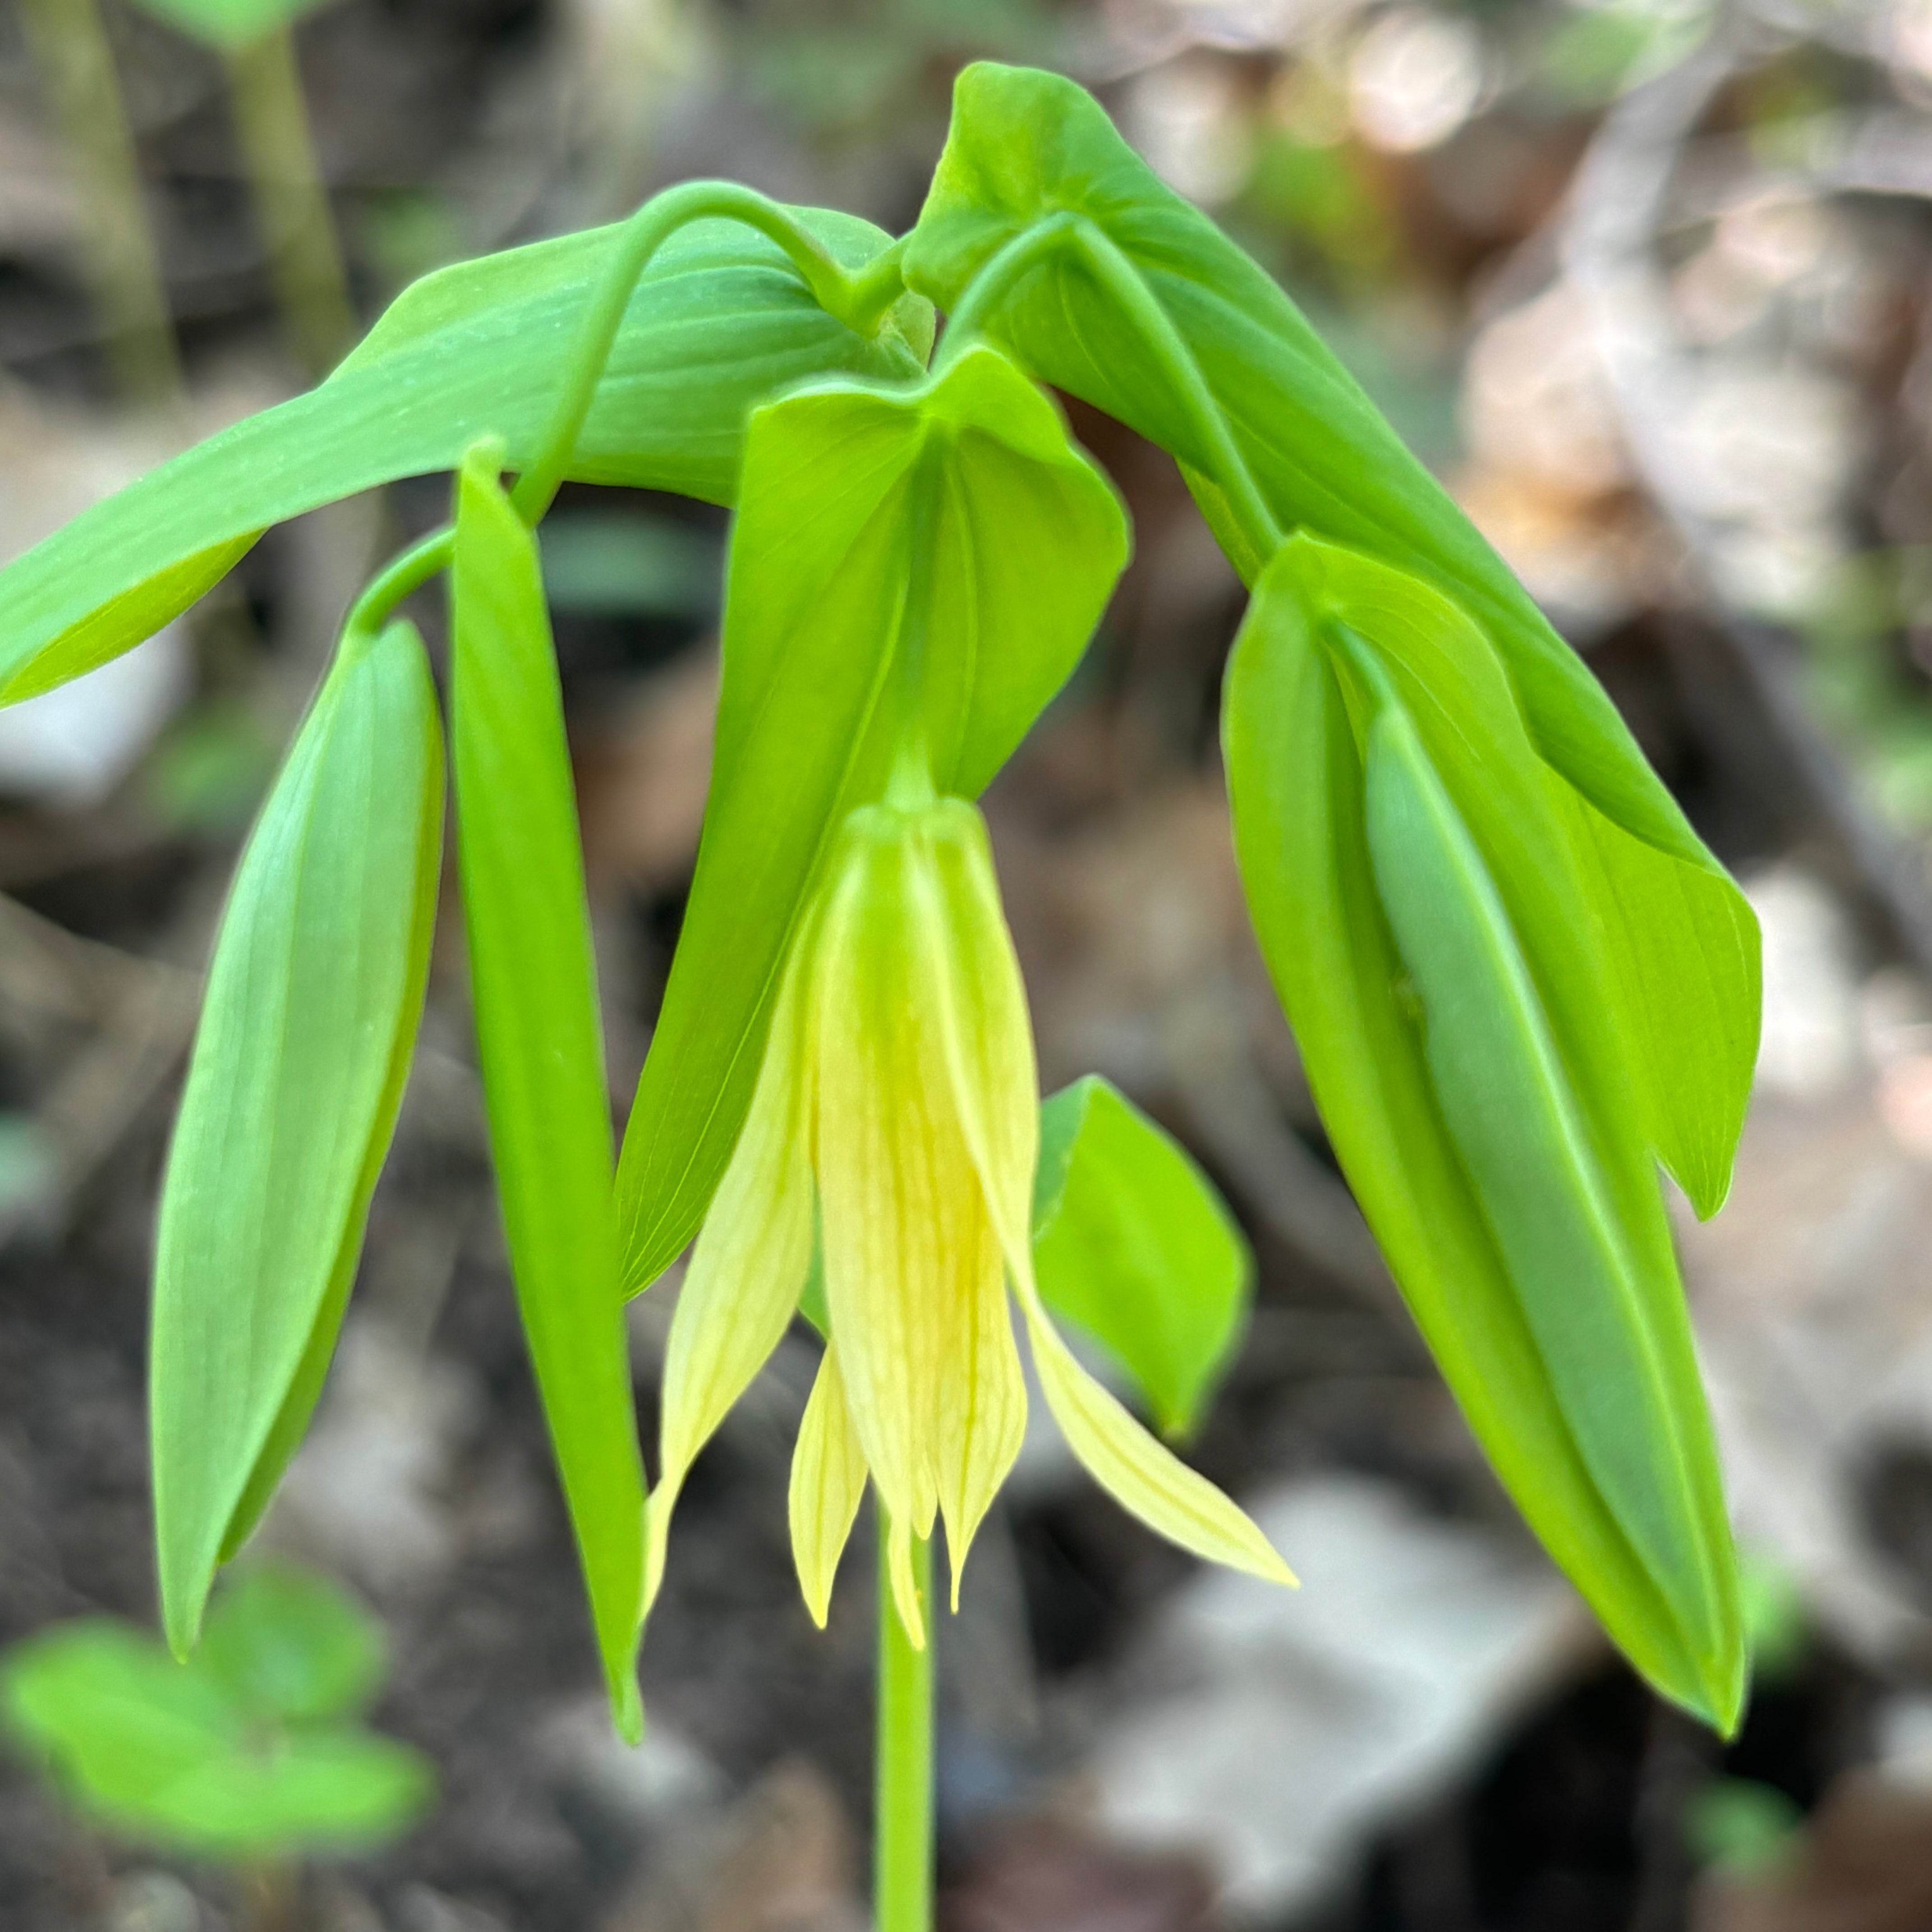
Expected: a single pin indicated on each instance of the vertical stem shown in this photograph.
(291, 203)
(902, 1792)
(71, 49)
(269, 1894)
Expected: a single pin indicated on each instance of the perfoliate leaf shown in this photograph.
(1132, 1244)
(538, 1038)
(719, 320)
(1425, 917)
(313, 1001)
(951, 524)
(1027, 146)
(229, 23)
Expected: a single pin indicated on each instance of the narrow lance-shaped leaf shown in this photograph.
(1027, 147)
(1426, 923)
(952, 524)
(719, 320)
(1132, 1244)
(312, 1002)
(538, 1036)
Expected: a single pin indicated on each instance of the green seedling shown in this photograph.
(251, 1754)
(1520, 984)
(1743, 1829)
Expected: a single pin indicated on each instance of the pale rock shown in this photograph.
(1279, 1728)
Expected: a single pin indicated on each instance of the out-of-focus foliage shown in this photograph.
(251, 1750)
(229, 23)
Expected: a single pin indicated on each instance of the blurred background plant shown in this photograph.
(1650, 282)
(248, 1755)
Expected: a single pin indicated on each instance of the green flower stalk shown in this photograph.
(895, 1122)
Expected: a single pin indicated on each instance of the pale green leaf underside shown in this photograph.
(533, 984)
(719, 320)
(1132, 1245)
(313, 1000)
(1631, 1506)
(1655, 986)
(953, 520)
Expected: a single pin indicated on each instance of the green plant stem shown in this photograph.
(291, 202)
(1067, 234)
(902, 1773)
(71, 47)
(858, 297)
(268, 1891)
(407, 571)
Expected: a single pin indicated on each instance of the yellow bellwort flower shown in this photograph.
(896, 1112)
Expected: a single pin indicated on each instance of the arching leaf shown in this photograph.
(718, 321)
(1025, 146)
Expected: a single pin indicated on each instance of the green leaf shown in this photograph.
(163, 1752)
(113, 1715)
(1659, 957)
(949, 525)
(718, 321)
(286, 1645)
(329, 1790)
(1132, 1244)
(1425, 918)
(313, 1001)
(538, 1038)
(1027, 146)
(229, 23)
(1686, 972)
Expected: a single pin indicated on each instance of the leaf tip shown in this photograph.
(627, 1708)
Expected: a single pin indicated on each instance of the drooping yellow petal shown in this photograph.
(1140, 1473)
(982, 1398)
(746, 1271)
(828, 1483)
(977, 1051)
(990, 1042)
(985, 1034)
(886, 1150)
